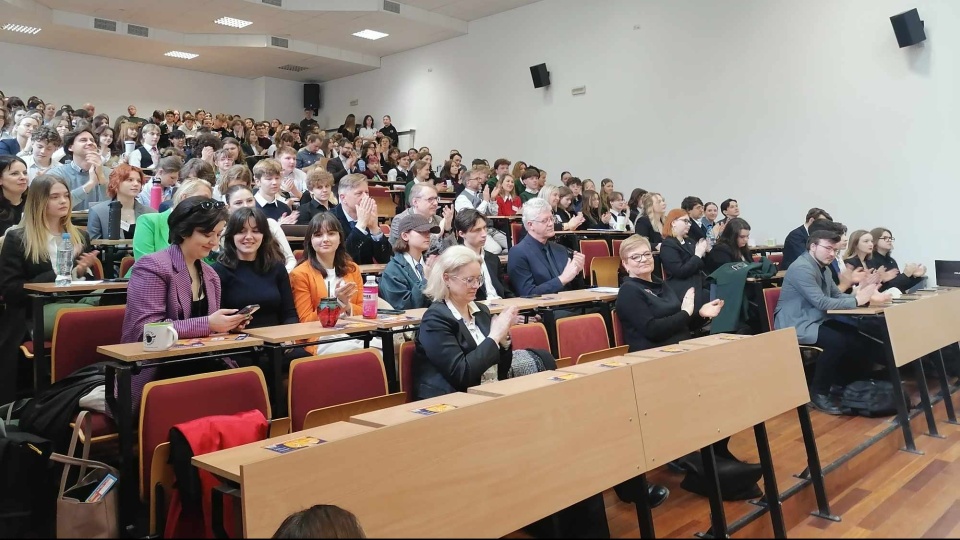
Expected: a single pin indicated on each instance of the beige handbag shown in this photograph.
(75, 517)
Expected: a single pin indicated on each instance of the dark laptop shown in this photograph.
(948, 273)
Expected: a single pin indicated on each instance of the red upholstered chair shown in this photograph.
(97, 269)
(770, 298)
(76, 335)
(169, 402)
(529, 336)
(616, 246)
(591, 249)
(407, 351)
(298, 255)
(515, 229)
(605, 272)
(756, 257)
(617, 330)
(385, 229)
(776, 258)
(125, 265)
(332, 379)
(580, 335)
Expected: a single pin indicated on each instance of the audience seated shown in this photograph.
(13, 181)
(731, 246)
(241, 197)
(537, 266)
(681, 258)
(406, 274)
(357, 213)
(168, 171)
(709, 221)
(344, 164)
(126, 183)
(175, 285)
(508, 201)
(795, 243)
(730, 209)
(319, 196)
(693, 206)
(21, 137)
(650, 223)
(327, 271)
(43, 145)
(293, 181)
(85, 174)
(571, 219)
(471, 229)
(531, 182)
(147, 155)
(424, 201)
(912, 273)
(807, 294)
(447, 358)
(28, 255)
(266, 174)
(152, 233)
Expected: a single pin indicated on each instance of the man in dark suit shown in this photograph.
(693, 206)
(357, 212)
(345, 163)
(537, 266)
(796, 242)
(470, 227)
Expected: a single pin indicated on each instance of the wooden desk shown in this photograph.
(404, 413)
(226, 463)
(664, 352)
(715, 339)
(519, 385)
(106, 242)
(466, 472)
(133, 352)
(75, 287)
(600, 366)
(375, 269)
(776, 277)
(276, 335)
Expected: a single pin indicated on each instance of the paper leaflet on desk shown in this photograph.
(605, 290)
(294, 444)
(434, 409)
(564, 377)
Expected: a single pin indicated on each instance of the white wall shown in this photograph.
(111, 85)
(781, 104)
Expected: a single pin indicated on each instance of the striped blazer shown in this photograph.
(160, 290)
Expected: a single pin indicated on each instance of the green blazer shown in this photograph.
(152, 234)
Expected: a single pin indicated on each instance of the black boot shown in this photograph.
(657, 495)
(825, 404)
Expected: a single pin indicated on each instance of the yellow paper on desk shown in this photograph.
(612, 364)
(674, 349)
(564, 377)
(294, 444)
(434, 409)
(730, 338)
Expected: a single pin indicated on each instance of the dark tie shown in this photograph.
(550, 262)
(419, 268)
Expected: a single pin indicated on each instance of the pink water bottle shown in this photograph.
(371, 291)
(156, 194)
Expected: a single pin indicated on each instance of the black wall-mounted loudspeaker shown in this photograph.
(541, 77)
(908, 27)
(311, 97)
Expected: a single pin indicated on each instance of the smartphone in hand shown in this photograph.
(249, 310)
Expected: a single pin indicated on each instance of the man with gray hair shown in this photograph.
(357, 212)
(537, 266)
(424, 201)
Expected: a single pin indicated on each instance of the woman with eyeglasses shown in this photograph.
(682, 259)
(732, 246)
(459, 344)
(175, 285)
(881, 260)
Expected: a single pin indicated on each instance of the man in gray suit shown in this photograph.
(808, 293)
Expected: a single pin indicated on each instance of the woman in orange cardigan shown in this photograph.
(325, 260)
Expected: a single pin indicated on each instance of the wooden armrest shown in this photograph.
(343, 412)
(161, 474)
(279, 426)
(564, 362)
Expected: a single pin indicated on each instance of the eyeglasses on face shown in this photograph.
(829, 248)
(474, 281)
(208, 205)
(640, 257)
(429, 199)
(890, 238)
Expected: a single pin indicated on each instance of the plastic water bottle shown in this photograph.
(64, 261)
(371, 291)
(156, 194)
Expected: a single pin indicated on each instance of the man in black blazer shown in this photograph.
(693, 206)
(796, 242)
(470, 227)
(345, 163)
(357, 212)
(537, 266)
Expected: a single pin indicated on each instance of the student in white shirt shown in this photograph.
(484, 202)
(46, 141)
(147, 155)
(266, 174)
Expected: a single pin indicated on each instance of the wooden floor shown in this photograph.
(878, 490)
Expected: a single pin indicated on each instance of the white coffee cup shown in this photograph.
(129, 146)
(159, 336)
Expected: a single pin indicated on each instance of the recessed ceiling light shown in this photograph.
(21, 28)
(230, 21)
(183, 55)
(370, 34)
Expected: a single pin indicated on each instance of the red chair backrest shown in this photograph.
(170, 402)
(770, 298)
(616, 246)
(385, 229)
(581, 334)
(125, 265)
(407, 352)
(333, 379)
(298, 254)
(617, 330)
(756, 257)
(515, 229)
(776, 258)
(97, 269)
(529, 336)
(591, 249)
(78, 332)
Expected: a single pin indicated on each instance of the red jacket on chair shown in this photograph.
(205, 435)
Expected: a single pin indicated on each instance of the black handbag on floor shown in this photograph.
(869, 398)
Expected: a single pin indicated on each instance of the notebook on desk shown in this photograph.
(948, 273)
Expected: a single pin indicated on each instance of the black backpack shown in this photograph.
(869, 398)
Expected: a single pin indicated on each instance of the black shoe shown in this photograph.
(836, 391)
(657, 494)
(676, 466)
(824, 404)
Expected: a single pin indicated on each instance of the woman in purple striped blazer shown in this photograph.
(175, 285)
